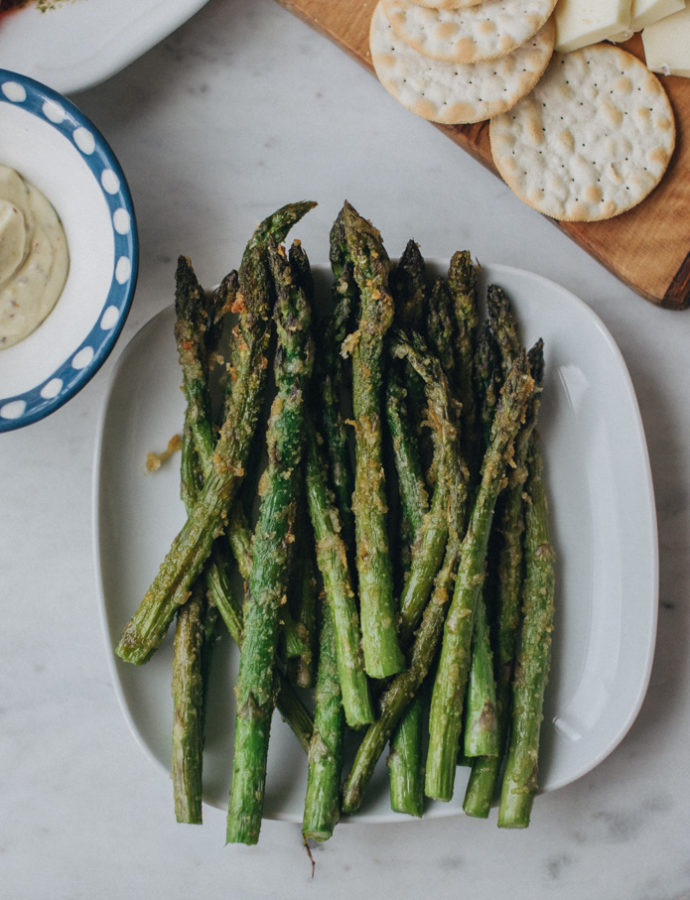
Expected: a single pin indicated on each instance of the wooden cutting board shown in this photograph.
(648, 247)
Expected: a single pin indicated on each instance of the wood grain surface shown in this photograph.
(648, 247)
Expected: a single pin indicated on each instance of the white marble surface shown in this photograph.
(242, 109)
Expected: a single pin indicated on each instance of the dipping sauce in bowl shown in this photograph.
(34, 259)
(48, 142)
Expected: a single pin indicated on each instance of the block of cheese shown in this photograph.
(667, 44)
(583, 22)
(646, 12)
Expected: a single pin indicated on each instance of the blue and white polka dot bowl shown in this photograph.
(53, 145)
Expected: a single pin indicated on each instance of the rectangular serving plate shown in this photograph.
(604, 529)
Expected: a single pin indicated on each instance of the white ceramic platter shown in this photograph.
(79, 43)
(604, 529)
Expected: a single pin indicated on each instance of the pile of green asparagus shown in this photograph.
(387, 516)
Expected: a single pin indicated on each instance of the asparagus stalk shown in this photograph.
(289, 705)
(462, 284)
(191, 547)
(382, 653)
(487, 381)
(302, 664)
(194, 634)
(404, 686)
(241, 544)
(441, 326)
(295, 641)
(302, 610)
(503, 325)
(481, 787)
(195, 325)
(411, 496)
(331, 557)
(408, 284)
(255, 688)
(510, 560)
(414, 498)
(532, 670)
(441, 339)
(295, 713)
(221, 594)
(481, 730)
(192, 323)
(446, 713)
(481, 717)
(451, 326)
(240, 539)
(333, 375)
(430, 542)
(191, 649)
(188, 706)
(322, 799)
(409, 287)
(195, 619)
(406, 761)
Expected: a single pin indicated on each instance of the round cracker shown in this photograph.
(489, 30)
(453, 93)
(592, 139)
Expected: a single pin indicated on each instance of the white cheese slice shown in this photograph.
(646, 12)
(667, 44)
(583, 22)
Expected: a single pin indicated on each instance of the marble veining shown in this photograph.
(241, 109)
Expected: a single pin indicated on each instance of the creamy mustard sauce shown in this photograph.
(34, 257)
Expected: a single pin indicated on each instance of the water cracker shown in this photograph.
(591, 140)
(456, 93)
(488, 30)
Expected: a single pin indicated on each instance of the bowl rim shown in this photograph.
(82, 362)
